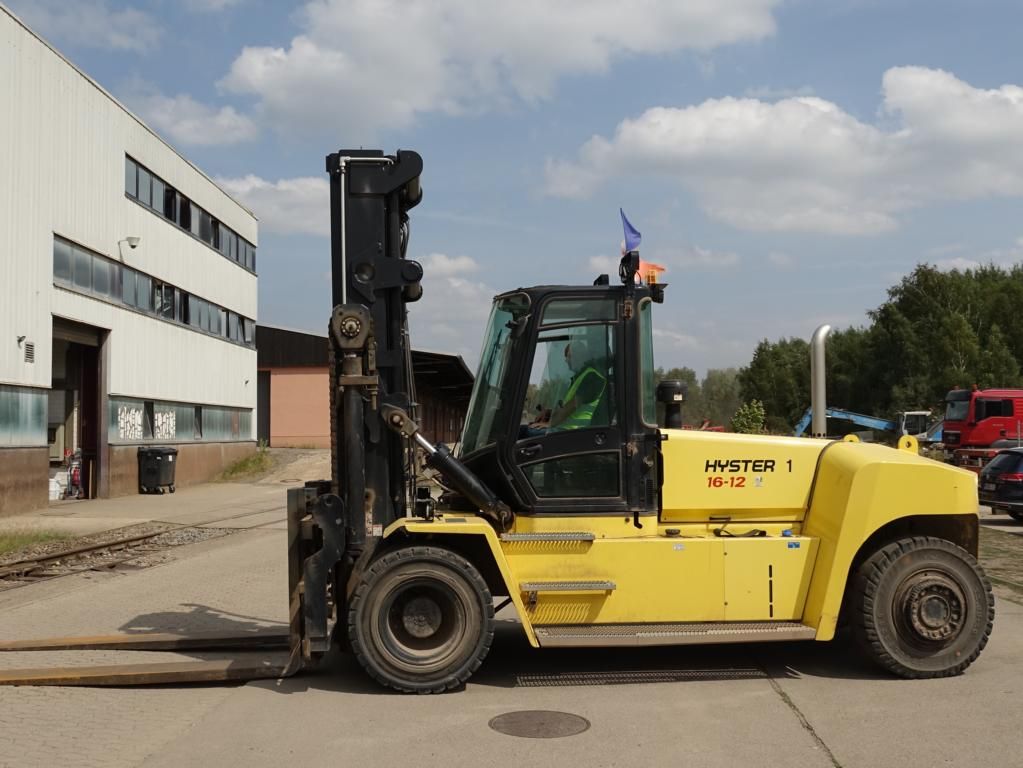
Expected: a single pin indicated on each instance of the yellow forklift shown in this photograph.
(567, 500)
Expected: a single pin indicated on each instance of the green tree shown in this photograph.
(721, 394)
(778, 377)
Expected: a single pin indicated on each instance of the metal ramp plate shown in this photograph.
(153, 641)
(151, 674)
(255, 663)
(602, 635)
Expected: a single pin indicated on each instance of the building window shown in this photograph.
(170, 204)
(101, 277)
(82, 262)
(148, 417)
(145, 187)
(184, 213)
(149, 189)
(197, 431)
(144, 292)
(86, 272)
(62, 261)
(131, 182)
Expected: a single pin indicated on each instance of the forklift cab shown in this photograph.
(562, 417)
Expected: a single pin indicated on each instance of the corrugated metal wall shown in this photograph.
(62, 147)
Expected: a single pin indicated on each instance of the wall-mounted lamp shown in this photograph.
(22, 338)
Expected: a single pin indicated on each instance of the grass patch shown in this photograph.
(12, 541)
(251, 466)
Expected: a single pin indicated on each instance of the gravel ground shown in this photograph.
(1001, 554)
(48, 548)
(143, 554)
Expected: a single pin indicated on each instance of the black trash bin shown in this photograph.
(156, 468)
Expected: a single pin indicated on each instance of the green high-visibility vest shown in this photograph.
(583, 413)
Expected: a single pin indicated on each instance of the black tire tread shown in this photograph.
(866, 584)
(405, 554)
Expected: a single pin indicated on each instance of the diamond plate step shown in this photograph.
(602, 635)
(567, 586)
(550, 536)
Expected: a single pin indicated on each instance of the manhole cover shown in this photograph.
(539, 724)
(291, 480)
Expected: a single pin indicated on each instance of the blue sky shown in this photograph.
(787, 161)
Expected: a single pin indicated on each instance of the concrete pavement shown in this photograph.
(799, 704)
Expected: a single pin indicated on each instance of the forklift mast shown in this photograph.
(370, 357)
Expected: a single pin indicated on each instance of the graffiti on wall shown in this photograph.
(165, 425)
(129, 422)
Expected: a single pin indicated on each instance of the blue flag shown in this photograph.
(632, 235)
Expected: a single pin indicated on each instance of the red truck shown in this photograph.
(980, 422)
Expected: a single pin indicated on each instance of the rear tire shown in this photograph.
(1015, 515)
(421, 620)
(922, 608)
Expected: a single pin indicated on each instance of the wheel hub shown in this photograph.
(421, 617)
(934, 607)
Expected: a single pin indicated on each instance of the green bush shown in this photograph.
(749, 419)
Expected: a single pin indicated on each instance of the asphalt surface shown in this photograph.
(793, 704)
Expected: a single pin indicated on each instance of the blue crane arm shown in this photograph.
(860, 419)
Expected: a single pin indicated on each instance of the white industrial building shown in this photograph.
(127, 290)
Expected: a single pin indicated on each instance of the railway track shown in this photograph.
(107, 555)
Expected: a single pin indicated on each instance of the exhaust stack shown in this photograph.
(818, 383)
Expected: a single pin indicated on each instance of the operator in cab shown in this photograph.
(584, 391)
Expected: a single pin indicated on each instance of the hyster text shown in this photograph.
(739, 465)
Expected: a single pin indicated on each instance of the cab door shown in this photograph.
(567, 455)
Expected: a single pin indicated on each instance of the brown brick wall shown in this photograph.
(197, 463)
(24, 479)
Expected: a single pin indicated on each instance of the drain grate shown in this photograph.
(539, 724)
(637, 677)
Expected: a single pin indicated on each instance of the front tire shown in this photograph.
(421, 620)
(922, 608)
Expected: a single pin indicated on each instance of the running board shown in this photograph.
(223, 670)
(590, 585)
(603, 635)
(552, 536)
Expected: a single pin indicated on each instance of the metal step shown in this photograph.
(603, 635)
(553, 536)
(590, 585)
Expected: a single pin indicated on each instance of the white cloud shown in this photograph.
(184, 120)
(600, 265)
(804, 164)
(442, 265)
(90, 23)
(1004, 257)
(780, 260)
(768, 93)
(210, 6)
(693, 256)
(451, 315)
(674, 340)
(288, 206)
(959, 263)
(455, 57)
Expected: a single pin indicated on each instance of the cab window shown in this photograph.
(571, 381)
